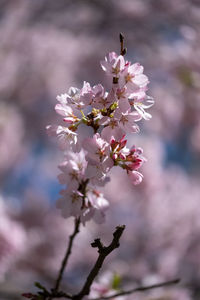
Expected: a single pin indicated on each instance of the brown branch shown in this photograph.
(59, 295)
(103, 253)
(139, 289)
(123, 50)
(132, 291)
(68, 252)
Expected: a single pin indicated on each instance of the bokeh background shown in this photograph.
(48, 46)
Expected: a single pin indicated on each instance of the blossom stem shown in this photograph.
(68, 252)
(123, 50)
(139, 289)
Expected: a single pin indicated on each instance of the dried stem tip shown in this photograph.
(121, 37)
(123, 50)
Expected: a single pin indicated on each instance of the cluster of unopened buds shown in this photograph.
(111, 115)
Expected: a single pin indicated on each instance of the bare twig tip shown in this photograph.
(121, 37)
(119, 230)
(121, 227)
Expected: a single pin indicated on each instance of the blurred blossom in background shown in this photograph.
(48, 46)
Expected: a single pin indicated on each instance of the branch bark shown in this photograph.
(139, 289)
(68, 252)
(122, 293)
(103, 253)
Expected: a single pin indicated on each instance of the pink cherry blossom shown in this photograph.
(112, 129)
(129, 159)
(62, 98)
(97, 173)
(70, 203)
(123, 101)
(97, 149)
(73, 169)
(72, 96)
(80, 98)
(86, 95)
(67, 112)
(66, 137)
(127, 121)
(96, 206)
(135, 177)
(141, 101)
(100, 97)
(132, 76)
(74, 203)
(110, 115)
(113, 64)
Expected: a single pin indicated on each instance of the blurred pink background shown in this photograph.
(48, 46)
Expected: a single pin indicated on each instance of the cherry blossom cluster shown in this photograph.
(111, 115)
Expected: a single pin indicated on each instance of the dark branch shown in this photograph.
(132, 291)
(68, 252)
(139, 289)
(59, 294)
(123, 50)
(103, 253)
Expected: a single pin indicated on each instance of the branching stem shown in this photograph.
(123, 50)
(103, 253)
(139, 289)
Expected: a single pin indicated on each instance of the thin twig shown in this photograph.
(59, 295)
(103, 253)
(123, 50)
(139, 289)
(68, 252)
(132, 291)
